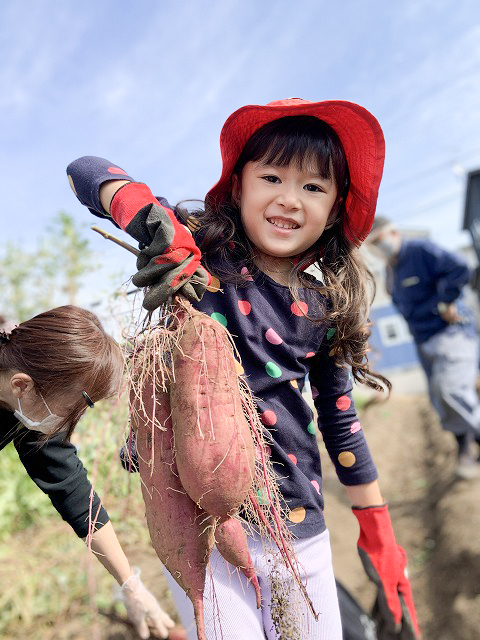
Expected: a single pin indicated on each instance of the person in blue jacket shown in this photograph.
(426, 284)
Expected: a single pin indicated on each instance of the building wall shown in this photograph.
(391, 344)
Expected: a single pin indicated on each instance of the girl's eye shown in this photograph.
(313, 187)
(272, 179)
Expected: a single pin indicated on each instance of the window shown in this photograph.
(393, 330)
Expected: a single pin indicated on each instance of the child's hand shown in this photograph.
(170, 259)
(163, 276)
(170, 262)
(385, 563)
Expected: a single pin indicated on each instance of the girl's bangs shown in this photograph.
(305, 153)
(306, 142)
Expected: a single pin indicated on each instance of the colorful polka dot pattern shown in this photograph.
(262, 496)
(299, 308)
(315, 485)
(274, 340)
(347, 458)
(273, 370)
(246, 274)
(244, 306)
(239, 369)
(297, 515)
(356, 426)
(70, 180)
(331, 332)
(269, 418)
(219, 317)
(272, 336)
(214, 285)
(343, 403)
(117, 171)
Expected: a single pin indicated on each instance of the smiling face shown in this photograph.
(284, 209)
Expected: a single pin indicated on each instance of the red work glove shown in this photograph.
(170, 261)
(385, 564)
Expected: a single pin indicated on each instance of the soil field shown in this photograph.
(436, 519)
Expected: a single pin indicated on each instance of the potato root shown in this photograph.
(231, 542)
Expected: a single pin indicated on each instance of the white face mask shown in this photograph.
(47, 425)
(388, 247)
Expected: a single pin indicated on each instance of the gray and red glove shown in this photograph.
(169, 261)
(385, 563)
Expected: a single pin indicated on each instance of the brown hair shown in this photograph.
(63, 349)
(347, 284)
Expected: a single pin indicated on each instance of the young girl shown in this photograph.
(298, 188)
(52, 368)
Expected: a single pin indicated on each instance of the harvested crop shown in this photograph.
(181, 533)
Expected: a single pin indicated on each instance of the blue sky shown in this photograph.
(148, 85)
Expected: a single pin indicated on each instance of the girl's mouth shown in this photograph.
(282, 223)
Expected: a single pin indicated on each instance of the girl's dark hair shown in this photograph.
(62, 350)
(347, 283)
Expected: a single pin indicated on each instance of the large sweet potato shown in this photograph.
(215, 453)
(181, 533)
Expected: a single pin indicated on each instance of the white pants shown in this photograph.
(229, 599)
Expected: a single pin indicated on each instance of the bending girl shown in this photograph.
(52, 368)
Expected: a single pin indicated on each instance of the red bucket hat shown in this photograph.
(359, 132)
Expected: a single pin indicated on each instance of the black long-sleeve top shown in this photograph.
(57, 470)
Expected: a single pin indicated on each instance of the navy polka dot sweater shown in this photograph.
(279, 346)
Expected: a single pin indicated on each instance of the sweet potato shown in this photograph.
(231, 542)
(181, 533)
(215, 453)
(196, 448)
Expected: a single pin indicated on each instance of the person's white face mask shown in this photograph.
(387, 247)
(47, 425)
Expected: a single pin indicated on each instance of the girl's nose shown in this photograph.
(288, 198)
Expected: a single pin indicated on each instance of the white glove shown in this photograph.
(143, 609)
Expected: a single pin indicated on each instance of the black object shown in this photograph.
(471, 216)
(128, 454)
(356, 624)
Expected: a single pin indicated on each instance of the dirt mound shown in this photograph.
(436, 517)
